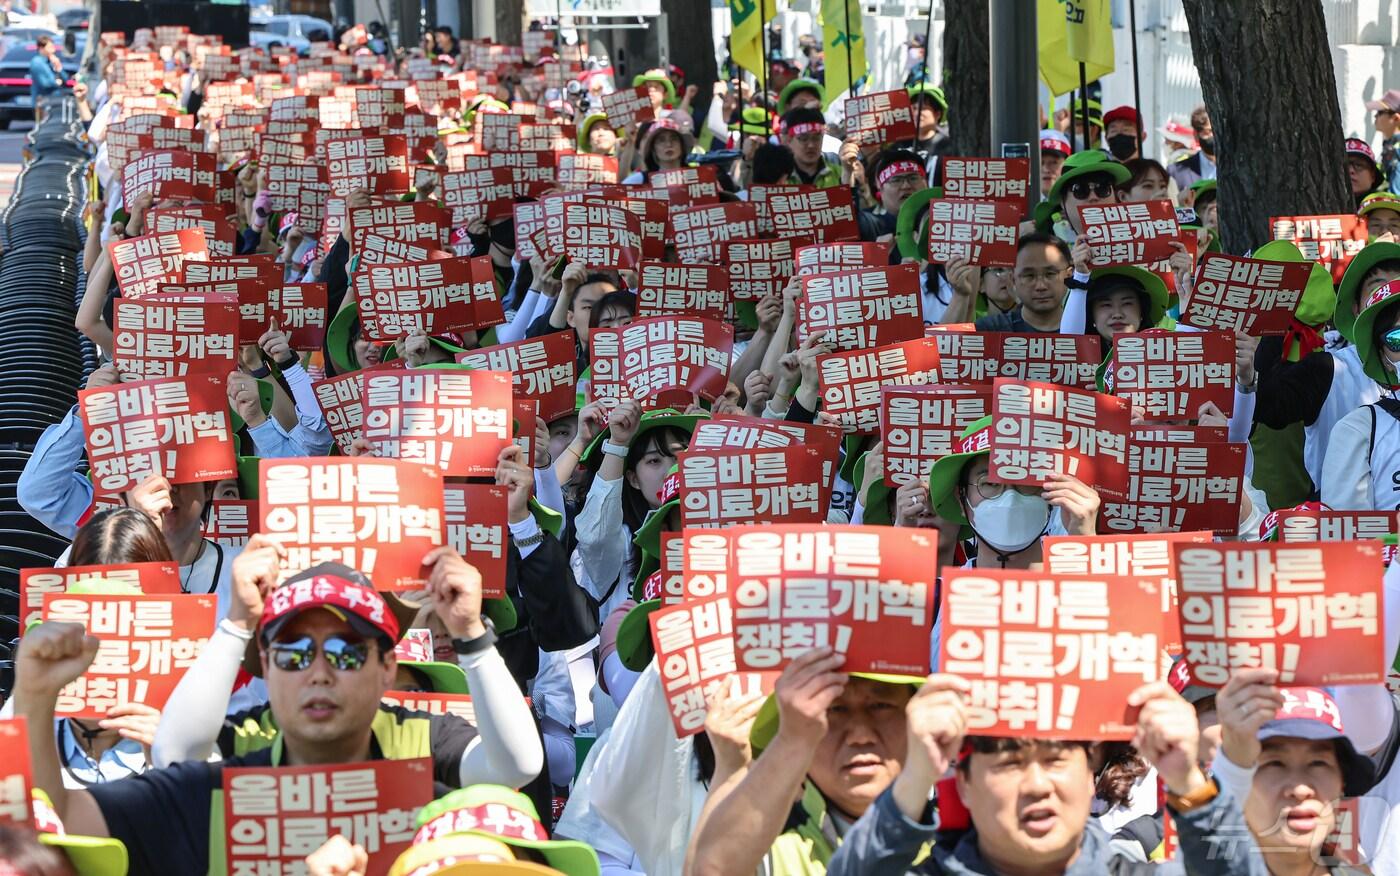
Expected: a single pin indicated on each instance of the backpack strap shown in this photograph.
(1390, 406)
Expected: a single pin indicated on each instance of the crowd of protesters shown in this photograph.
(569, 759)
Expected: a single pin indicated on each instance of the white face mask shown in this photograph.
(1011, 521)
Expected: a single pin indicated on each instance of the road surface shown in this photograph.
(11, 160)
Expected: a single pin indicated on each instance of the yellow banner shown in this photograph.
(835, 39)
(1071, 31)
(746, 36)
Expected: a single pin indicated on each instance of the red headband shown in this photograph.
(801, 128)
(898, 168)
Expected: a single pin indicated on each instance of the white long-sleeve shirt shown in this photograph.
(604, 546)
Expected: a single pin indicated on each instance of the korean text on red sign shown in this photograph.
(1039, 429)
(151, 578)
(278, 815)
(16, 777)
(475, 516)
(677, 354)
(972, 357)
(1176, 487)
(342, 406)
(694, 644)
(628, 107)
(920, 424)
(701, 231)
(433, 297)
(602, 236)
(142, 264)
(863, 308)
(1331, 240)
(1255, 296)
(380, 516)
(231, 521)
(145, 645)
(160, 338)
(758, 267)
(1170, 375)
(720, 487)
(177, 428)
(879, 118)
(851, 381)
(1051, 656)
(1312, 611)
(542, 369)
(1129, 234)
(457, 420)
(831, 258)
(1295, 526)
(1006, 180)
(864, 591)
(821, 215)
(665, 289)
(979, 232)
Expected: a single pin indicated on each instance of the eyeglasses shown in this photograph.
(343, 654)
(991, 490)
(997, 272)
(1081, 188)
(904, 180)
(1392, 340)
(1049, 275)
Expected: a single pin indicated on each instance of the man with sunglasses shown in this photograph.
(325, 640)
(1088, 179)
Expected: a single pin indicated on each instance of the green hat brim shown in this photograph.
(338, 340)
(1319, 300)
(1158, 298)
(571, 857)
(1043, 215)
(1348, 291)
(907, 226)
(634, 647)
(90, 855)
(586, 125)
(391, 353)
(648, 537)
(850, 445)
(248, 483)
(943, 480)
(797, 85)
(1371, 202)
(644, 78)
(659, 418)
(929, 91)
(546, 518)
(1070, 173)
(501, 611)
(765, 725)
(1370, 356)
(877, 511)
(447, 678)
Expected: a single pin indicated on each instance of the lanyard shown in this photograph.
(218, 567)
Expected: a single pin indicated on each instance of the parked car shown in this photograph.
(290, 31)
(15, 99)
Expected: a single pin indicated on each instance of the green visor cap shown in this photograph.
(974, 441)
(1372, 359)
(570, 857)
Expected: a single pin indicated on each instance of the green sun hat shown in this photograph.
(1043, 215)
(851, 454)
(877, 507)
(1372, 361)
(911, 225)
(797, 85)
(248, 482)
(266, 394)
(975, 440)
(634, 646)
(1085, 163)
(447, 678)
(1379, 201)
(662, 78)
(588, 122)
(656, 419)
(1349, 290)
(456, 813)
(1203, 187)
(1158, 298)
(765, 725)
(89, 855)
(754, 121)
(340, 340)
(1319, 300)
(932, 93)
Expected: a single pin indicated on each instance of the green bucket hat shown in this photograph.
(975, 440)
(797, 85)
(662, 78)
(89, 855)
(248, 483)
(932, 93)
(755, 121)
(458, 811)
(765, 725)
(634, 646)
(447, 678)
(1158, 298)
(1203, 188)
(1043, 215)
(1084, 164)
(1371, 360)
(1319, 299)
(1349, 290)
(661, 417)
(340, 339)
(911, 225)
(877, 511)
(588, 122)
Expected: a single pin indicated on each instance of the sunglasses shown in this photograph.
(1391, 340)
(343, 654)
(1081, 188)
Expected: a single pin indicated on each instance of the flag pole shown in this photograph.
(1083, 104)
(850, 68)
(738, 81)
(1137, 87)
(763, 49)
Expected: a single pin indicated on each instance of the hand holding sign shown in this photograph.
(728, 724)
(806, 689)
(1168, 736)
(455, 585)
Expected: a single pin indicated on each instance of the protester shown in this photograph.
(1054, 149)
(802, 130)
(1148, 181)
(1187, 169)
(1387, 126)
(1363, 172)
(1038, 282)
(45, 74)
(1123, 133)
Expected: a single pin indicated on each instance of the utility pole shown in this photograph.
(1015, 120)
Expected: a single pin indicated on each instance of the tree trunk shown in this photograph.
(967, 76)
(1255, 58)
(508, 24)
(692, 40)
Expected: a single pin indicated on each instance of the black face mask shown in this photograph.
(1122, 146)
(1207, 144)
(503, 234)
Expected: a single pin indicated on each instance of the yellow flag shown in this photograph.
(746, 36)
(835, 39)
(1071, 31)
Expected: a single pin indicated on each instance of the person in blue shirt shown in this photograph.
(45, 74)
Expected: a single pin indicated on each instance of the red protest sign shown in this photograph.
(920, 424)
(1131, 556)
(376, 249)
(543, 370)
(175, 427)
(457, 420)
(1171, 374)
(531, 173)
(153, 338)
(862, 308)
(972, 357)
(1040, 429)
(434, 297)
(879, 118)
(379, 164)
(142, 264)
(821, 215)
(147, 643)
(679, 355)
(475, 516)
(694, 645)
(688, 186)
(851, 380)
(628, 107)
(16, 778)
(35, 584)
(420, 223)
(231, 521)
(781, 484)
(1255, 296)
(602, 236)
(1331, 240)
(865, 591)
(652, 221)
(1311, 611)
(212, 219)
(1051, 656)
(1006, 180)
(758, 267)
(1296, 526)
(1129, 234)
(581, 170)
(981, 232)
(1178, 487)
(300, 311)
(702, 231)
(667, 289)
(721, 431)
(341, 404)
(380, 516)
(170, 174)
(278, 815)
(832, 258)
(1182, 434)
(478, 194)
(667, 583)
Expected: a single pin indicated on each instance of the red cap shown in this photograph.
(1357, 146)
(342, 591)
(1123, 113)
